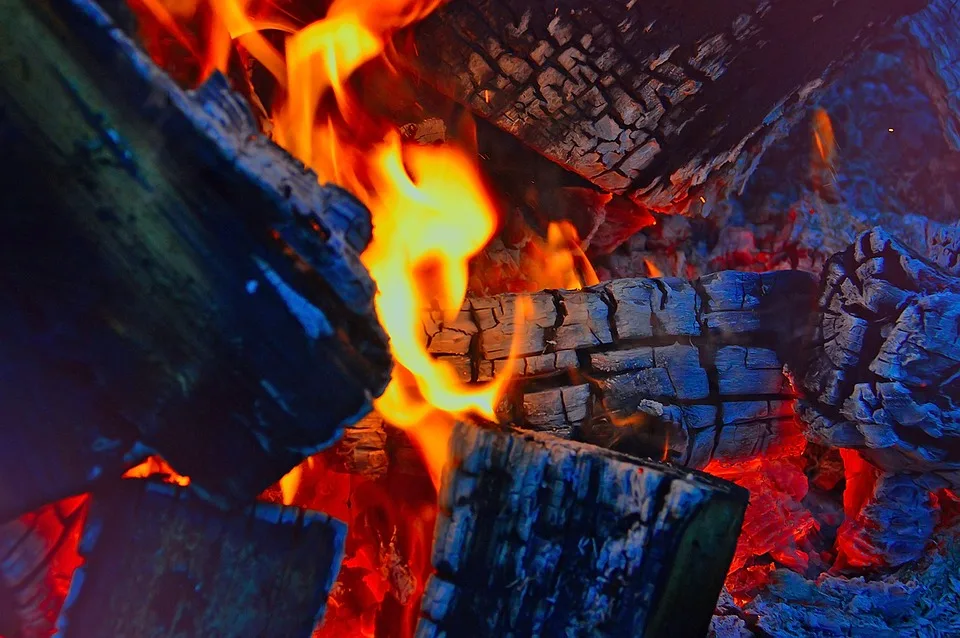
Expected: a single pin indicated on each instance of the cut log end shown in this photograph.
(541, 536)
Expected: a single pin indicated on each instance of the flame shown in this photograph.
(559, 262)
(652, 270)
(156, 466)
(431, 211)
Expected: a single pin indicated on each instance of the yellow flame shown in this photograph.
(431, 213)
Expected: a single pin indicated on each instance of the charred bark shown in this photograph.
(678, 370)
(540, 536)
(198, 571)
(171, 280)
(669, 103)
(936, 31)
(884, 373)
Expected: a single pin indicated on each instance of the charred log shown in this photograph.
(883, 377)
(669, 104)
(883, 374)
(199, 571)
(936, 31)
(171, 280)
(685, 371)
(541, 536)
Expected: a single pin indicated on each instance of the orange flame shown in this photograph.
(156, 466)
(652, 270)
(431, 212)
(560, 262)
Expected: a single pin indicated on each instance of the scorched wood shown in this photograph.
(538, 536)
(883, 375)
(678, 370)
(170, 279)
(669, 102)
(159, 562)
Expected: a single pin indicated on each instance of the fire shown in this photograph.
(155, 466)
(430, 209)
(652, 270)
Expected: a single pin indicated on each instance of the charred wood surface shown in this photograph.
(884, 373)
(936, 30)
(667, 102)
(541, 536)
(160, 562)
(171, 280)
(668, 368)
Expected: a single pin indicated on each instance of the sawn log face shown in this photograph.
(538, 536)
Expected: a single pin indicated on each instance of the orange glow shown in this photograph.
(430, 209)
(652, 270)
(824, 140)
(156, 466)
(560, 262)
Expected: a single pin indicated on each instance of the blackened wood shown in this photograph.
(894, 525)
(171, 280)
(538, 536)
(679, 370)
(666, 102)
(884, 373)
(159, 562)
(936, 31)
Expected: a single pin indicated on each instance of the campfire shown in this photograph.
(383, 319)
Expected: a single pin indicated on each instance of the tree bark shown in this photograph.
(669, 103)
(159, 562)
(172, 282)
(540, 536)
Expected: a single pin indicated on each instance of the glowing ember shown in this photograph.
(158, 468)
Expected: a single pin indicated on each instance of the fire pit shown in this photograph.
(422, 319)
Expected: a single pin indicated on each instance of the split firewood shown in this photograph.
(198, 571)
(538, 536)
(672, 106)
(172, 282)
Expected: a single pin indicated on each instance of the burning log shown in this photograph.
(669, 105)
(541, 536)
(198, 571)
(883, 376)
(172, 282)
(690, 371)
(37, 556)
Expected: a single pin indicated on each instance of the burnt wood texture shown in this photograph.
(883, 375)
(171, 281)
(538, 536)
(936, 29)
(677, 370)
(667, 102)
(160, 562)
